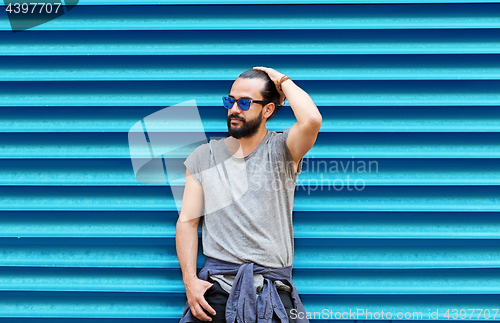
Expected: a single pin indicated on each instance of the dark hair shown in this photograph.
(269, 91)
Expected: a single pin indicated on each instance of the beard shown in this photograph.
(247, 129)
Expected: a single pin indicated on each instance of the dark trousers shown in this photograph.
(217, 298)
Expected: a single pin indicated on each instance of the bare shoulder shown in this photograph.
(192, 200)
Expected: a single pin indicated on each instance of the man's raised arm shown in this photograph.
(303, 133)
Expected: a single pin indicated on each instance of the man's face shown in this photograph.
(240, 123)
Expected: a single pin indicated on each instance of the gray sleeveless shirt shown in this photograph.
(248, 203)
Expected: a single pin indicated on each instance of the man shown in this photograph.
(244, 186)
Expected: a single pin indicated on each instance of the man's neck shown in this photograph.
(244, 146)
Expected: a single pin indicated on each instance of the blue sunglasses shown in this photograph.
(243, 104)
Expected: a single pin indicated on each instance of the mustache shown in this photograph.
(232, 116)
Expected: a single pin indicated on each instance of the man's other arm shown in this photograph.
(186, 240)
(303, 133)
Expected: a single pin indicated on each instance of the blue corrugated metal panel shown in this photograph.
(409, 88)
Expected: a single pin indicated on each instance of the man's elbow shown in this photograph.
(313, 123)
(187, 221)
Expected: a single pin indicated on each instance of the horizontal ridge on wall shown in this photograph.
(341, 145)
(227, 67)
(315, 171)
(263, 2)
(324, 93)
(352, 196)
(339, 119)
(152, 305)
(307, 224)
(346, 281)
(228, 42)
(340, 253)
(272, 17)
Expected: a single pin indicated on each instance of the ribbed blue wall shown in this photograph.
(413, 88)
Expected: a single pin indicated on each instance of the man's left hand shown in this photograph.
(275, 76)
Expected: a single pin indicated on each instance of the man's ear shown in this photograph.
(269, 110)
